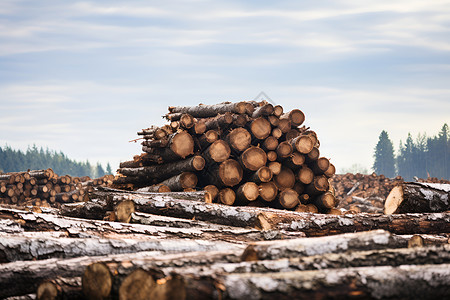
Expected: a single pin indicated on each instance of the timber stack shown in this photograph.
(245, 153)
(45, 188)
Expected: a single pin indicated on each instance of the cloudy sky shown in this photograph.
(84, 77)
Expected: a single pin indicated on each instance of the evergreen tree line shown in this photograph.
(423, 157)
(37, 158)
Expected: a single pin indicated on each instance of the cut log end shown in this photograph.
(260, 128)
(239, 139)
(393, 200)
(138, 285)
(182, 144)
(96, 281)
(227, 196)
(47, 291)
(230, 172)
(219, 151)
(248, 191)
(253, 158)
(288, 198)
(285, 179)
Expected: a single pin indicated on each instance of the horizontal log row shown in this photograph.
(52, 263)
(245, 153)
(45, 188)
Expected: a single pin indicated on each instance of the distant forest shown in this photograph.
(423, 157)
(37, 158)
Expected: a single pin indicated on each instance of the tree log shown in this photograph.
(296, 116)
(60, 288)
(228, 173)
(284, 150)
(263, 174)
(23, 277)
(239, 139)
(285, 179)
(220, 122)
(181, 181)
(206, 111)
(219, 151)
(303, 144)
(410, 197)
(246, 192)
(180, 146)
(264, 110)
(260, 128)
(253, 158)
(382, 282)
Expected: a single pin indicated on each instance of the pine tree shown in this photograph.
(384, 156)
(108, 169)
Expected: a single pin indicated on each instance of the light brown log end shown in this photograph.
(393, 200)
(182, 144)
(138, 285)
(96, 281)
(47, 291)
(253, 158)
(227, 196)
(416, 241)
(230, 172)
(123, 211)
(239, 139)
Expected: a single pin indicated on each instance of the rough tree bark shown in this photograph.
(410, 197)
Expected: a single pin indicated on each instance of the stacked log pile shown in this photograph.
(357, 193)
(159, 251)
(45, 188)
(245, 153)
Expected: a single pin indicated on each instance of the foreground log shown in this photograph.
(165, 171)
(93, 228)
(410, 197)
(23, 277)
(346, 259)
(376, 239)
(15, 248)
(320, 224)
(402, 282)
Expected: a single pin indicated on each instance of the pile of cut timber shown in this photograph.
(159, 251)
(245, 153)
(45, 188)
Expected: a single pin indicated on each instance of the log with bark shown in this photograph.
(410, 197)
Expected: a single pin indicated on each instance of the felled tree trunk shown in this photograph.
(23, 277)
(167, 170)
(403, 282)
(410, 197)
(376, 239)
(206, 111)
